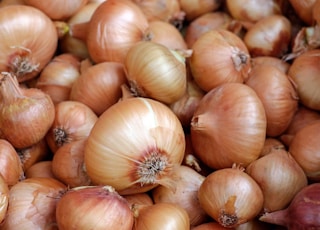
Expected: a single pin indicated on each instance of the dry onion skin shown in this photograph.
(280, 105)
(305, 73)
(219, 56)
(230, 196)
(28, 41)
(32, 204)
(134, 146)
(93, 207)
(304, 147)
(156, 72)
(229, 126)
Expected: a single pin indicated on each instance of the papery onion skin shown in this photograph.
(33, 204)
(98, 206)
(129, 136)
(304, 148)
(302, 213)
(230, 196)
(305, 73)
(280, 105)
(4, 198)
(28, 41)
(219, 56)
(113, 28)
(229, 126)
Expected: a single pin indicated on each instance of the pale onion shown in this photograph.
(40, 169)
(99, 86)
(134, 146)
(304, 147)
(280, 105)
(219, 56)
(196, 8)
(4, 198)
(57, 9)
(58, 76)
(188, 182)
(230, 196)
(160, 216)
(28, 40)
(26, 113)
(69, 44)
(73, 121)
(32, 204)
(10, 165)
(163, 10)
(305, 73)
(114, 27)
(156, 72)
(253, 10)
(68, 164)
(270, 36)
(204, 23)
(93, 207)
(33, 154)
(304, 10)
(159, 31)
(280, 178)
(229, 126)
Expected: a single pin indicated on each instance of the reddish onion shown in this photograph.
(304, 10)
(229, 126)
(302, 213)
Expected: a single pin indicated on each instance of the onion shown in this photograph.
(269, 36)
(229, 126)
(271, 144)
(230, 196)
(98, 207)
(40, 169)
(219, 56)
(99, 86)
(139, 198)
(58, 76)
(282, 104)
(304, 10)
(26, 113)
(156, 72)
(305, 73)
(32, 204)
(271, 61)
(210, 226)
(4, 198)
(73, 121)
(280, 178)
(304, 148)
(134, 146)
(160, 216)
(302, 213)
(57, 9)
(28, 41)
(188, 182)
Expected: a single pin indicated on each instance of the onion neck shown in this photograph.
(277, 217)
(9, 88)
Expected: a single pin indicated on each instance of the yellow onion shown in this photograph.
(40, 169)
(93, 207)
(134, 146)
(229, 126)
(4, 198)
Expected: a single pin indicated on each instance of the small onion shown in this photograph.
(160, 216)
(98, 207)
(139, 198)
(230, 196)
(282, 104)
(302, 213)
(156, 72)
(40, 169)
(304, 148)
(280, 178)
(229, 126)
(134, 146)
(219, 56)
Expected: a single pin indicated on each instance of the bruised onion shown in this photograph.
(98, 207)
(229, 126)
(302, 213)
(219, 56)
(134, 146)
(230, 196)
